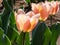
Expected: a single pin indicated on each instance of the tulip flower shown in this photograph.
(37, 8)
(25, 23)
(48, 6)
(30, 13)
(20, 11)
(55, 7)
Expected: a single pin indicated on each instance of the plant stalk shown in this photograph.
(23, 43)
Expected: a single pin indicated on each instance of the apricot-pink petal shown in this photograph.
(43, 13)
(20, 20)
(26, 26)
(34, 8)
(30, 13)
(33, 22)
(55, 7)
(20, 11)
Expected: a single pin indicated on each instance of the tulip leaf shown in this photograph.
(47, 36)
(20, 39)
(27, 39)
(5, 20)
(40, 35)
(7, 6)
(1, 32)
(5, 15)
(12, 19)
(5, 41)
(10, 2)
(23, 39)
(0, 21)
(55, 29)
(12, 34)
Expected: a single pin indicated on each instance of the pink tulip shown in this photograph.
(30, 13)
(25, 23)
(40, 9)
(55, 7)
(20, 11)
(35, 8)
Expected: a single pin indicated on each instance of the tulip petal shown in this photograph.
(20, 20)
(34, 8)
(33, 22)
(44, 14)
(27, 25)
(20, 11)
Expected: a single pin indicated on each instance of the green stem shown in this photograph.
(23, 39)
(51, 20)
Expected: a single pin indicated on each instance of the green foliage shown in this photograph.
(0, 21)
(27, 39)
(55, 29)
(12, 16)
(4, 40)
(5, 20)
(41, 35)
(1, 32)
(23, 39)
(5, 15)
(12, 33)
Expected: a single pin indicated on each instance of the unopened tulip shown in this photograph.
(30, 13)
(34, 8)
(20, 11)
(48, 6)
(40, 9)
(25, 23)
(55, 7)
(43, 13)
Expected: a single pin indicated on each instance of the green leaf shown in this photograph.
(23, 39)
(12, 19)
(20, 39)
(7, 6)
(10, 2)
(41, 34)
(27, 38)
(55, 29)
(5, 16)
(12, 34)
(5, 41)
(1, 32)
(0, 21)
(5, 20)
(47, 36)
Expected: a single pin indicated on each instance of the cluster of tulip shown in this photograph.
(27, 21)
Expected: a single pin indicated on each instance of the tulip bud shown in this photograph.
(25, 23)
